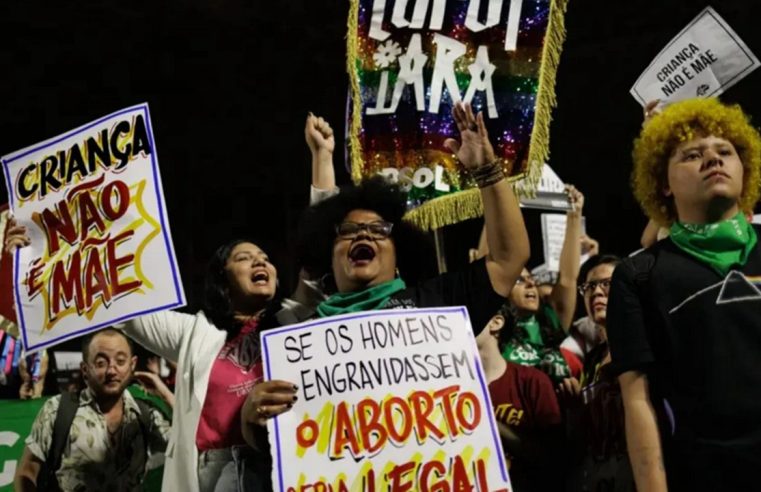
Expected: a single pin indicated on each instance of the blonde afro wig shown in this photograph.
(682, 122)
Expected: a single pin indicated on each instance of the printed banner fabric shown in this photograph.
(410, 61)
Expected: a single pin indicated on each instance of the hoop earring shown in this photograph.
(396, 273)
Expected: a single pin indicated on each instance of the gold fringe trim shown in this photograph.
(546, 100)
(352, 58)
(464, 205)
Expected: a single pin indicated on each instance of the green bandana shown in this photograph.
(721, 244)
(531, 326)
(368, 299)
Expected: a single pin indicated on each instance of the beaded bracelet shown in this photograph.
(488, 174)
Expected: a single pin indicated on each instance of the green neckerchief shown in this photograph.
(531, 327)
(721, 244)
(368, 299)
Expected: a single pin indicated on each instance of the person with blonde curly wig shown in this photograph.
(684, 316)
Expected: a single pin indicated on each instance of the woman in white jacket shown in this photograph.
(217, 351)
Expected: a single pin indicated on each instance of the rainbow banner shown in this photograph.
(101, 249)
(410, 61)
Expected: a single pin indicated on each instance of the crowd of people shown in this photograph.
(620, 374)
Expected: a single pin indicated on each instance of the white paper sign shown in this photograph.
(553, 235)
(703, 60)
(387, 400)
(101, 251)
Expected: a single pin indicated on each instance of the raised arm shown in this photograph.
(563, 295)
(505, 231)
(642, 438)
(321, 141)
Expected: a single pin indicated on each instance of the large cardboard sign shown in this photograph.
(387, 400)
(705, 59)
(101, 249)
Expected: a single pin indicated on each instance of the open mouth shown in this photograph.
(716, 175)
(531, 296)
(261, 277)
(361, 253)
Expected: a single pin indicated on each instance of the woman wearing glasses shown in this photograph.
(538, 328)
(358, 240)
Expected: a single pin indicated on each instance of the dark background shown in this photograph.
(230, 82)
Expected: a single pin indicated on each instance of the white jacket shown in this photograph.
(193, 342)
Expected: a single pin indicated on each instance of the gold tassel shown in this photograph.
(352, 58)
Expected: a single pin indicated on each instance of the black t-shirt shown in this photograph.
(698, 338)
(469, 287)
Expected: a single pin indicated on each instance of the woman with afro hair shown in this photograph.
(366, 254)
(684, 316)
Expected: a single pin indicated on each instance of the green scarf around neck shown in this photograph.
(720, 244)
(368, 299)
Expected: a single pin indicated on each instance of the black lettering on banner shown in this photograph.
(397, 332)
(429, 330)
(383, 330)
(122, 155)
(298, 347)
(23, 192)
(412, 329)
(48, 167)
(305, 386)
(367, 335)
(140, 141)
(347, 343)
(444, 328)
(331, 341)
(98, 150)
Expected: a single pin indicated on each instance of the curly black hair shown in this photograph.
(217, 305)
(415, 254)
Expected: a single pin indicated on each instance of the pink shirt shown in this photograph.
(235, 371)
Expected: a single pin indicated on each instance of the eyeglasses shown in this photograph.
(525, 279)
(587, 288)
(379, 229)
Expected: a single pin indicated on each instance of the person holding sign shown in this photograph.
(217, 349)
(683, 318)
(357, 235)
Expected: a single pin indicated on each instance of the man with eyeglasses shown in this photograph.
(107, 444)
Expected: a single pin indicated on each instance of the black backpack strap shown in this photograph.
(67, 410)
(145, 421)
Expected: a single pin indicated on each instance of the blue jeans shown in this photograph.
(236, 469)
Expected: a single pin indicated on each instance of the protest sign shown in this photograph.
(101, 250)
(549, 194)
(553, 235)
(703, 60)
(387, 400)
(411, 61)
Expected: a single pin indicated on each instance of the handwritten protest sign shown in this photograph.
(411, 61)
(553, 235)
(389, 400)
(101, 248)
(703, 60)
